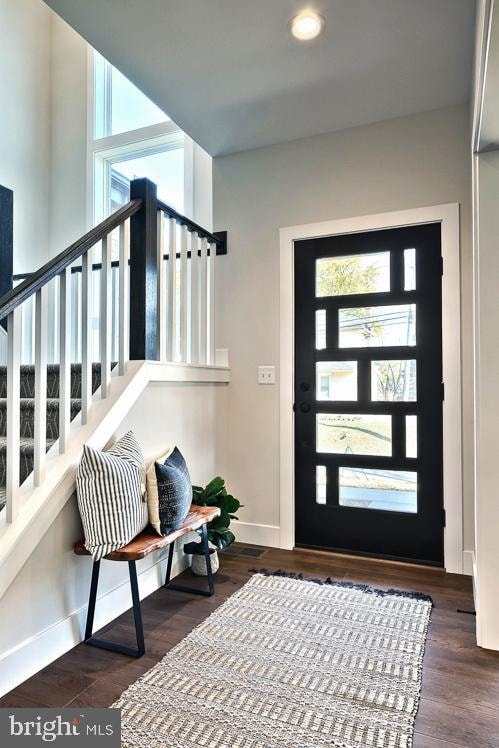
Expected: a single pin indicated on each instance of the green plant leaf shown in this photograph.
(233, 516)
(222, 521)
(194, 548)
(223, 541)
(214, 487)
(229, 503)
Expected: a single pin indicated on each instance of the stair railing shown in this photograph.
(155, 300)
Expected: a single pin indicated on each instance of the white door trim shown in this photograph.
(448, 216)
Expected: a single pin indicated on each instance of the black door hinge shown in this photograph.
(444, 520)
(294, 407)
(441, 266)
(443, 390)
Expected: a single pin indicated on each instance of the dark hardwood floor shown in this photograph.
(460, 698)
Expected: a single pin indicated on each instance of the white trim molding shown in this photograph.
(448, 216)
(256, 534)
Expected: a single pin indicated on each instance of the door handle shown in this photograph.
(305, 407)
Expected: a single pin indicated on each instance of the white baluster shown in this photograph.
(75, 316)
(57, 318)
(114, 312)
(64, 358)
(171, 341)
(184, 297)
(211, 306)
(105, 315)
(13, 412)
(203, 303)
(195, 298)
(162, 330)
(40, 426)
(124, 291)
(86, 333)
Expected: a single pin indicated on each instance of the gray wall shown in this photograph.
(25, 127)
(393, 165)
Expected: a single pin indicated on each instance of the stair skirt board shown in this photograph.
(27, 406)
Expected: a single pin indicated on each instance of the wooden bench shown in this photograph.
(147, 542)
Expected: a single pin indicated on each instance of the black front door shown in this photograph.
(368, 393)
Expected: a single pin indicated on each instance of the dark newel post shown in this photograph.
(6, 243)
(6, 239)
(143, 268)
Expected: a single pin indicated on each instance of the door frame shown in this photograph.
(448, 216)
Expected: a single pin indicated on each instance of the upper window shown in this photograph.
(119, 105)
(131, 137)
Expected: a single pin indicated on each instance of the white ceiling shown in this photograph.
(229, 73)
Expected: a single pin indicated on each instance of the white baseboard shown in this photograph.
(35, 653)
(255, 534)
(468, 559)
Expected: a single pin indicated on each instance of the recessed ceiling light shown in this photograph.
(307, 25)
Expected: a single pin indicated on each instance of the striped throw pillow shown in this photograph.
(110, 488)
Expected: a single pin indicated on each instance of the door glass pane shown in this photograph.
(321, 483)
(336, 380)
(393, 381)
(320, 329)
(409, 269)
(339, 276)
(411, 436)
(350, 433)
(377, 326)
(390, 490)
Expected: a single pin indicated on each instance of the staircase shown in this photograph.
(139, 287)
(27, 420)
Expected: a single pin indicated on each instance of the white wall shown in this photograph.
(398, 164)
(68, 136)
(487, 398)
(25, 127)
(43, 611)
(43, 137)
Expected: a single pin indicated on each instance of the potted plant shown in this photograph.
(219, 535)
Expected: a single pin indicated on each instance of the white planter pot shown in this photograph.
(198, 564)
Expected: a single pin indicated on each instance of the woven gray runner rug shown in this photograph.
(290, 663)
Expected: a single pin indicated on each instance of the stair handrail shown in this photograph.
(64, 259)
(163, 310)
(219, 238)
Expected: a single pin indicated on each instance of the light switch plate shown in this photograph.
(266, 375)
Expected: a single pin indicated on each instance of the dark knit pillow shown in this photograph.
(169, 493)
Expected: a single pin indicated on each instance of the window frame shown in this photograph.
(103, 152)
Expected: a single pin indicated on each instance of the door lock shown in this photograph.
(305, 407)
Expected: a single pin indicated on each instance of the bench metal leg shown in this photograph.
(89, 639)
(184, 588)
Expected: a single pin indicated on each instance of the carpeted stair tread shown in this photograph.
(27, 410)
(28, 380)
(27, 407)
(27, 445)
(26, 459)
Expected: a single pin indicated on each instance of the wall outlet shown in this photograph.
(266, 375)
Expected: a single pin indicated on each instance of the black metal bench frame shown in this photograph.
(137, 612)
